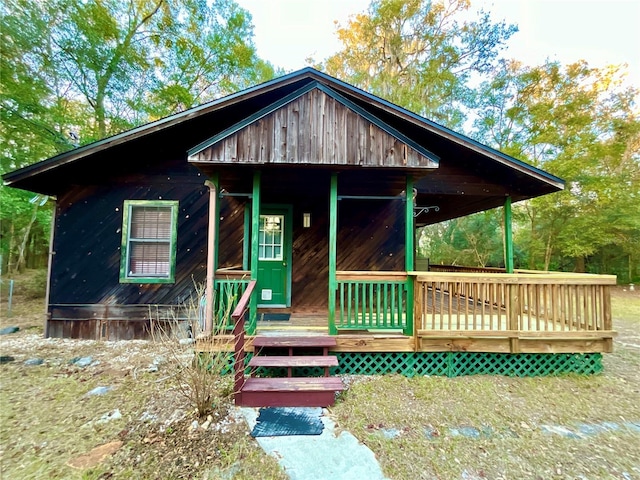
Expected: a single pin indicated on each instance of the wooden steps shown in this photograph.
(294, 362)
(291, 352)
(272, 341)
(290, 392)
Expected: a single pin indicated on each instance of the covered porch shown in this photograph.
(317, 198)
(398, 305)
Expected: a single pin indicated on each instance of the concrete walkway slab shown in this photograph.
(318, 457)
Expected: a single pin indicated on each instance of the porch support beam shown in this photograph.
(255, 240)
(212, 251)
(333, 239)
(369, 197)
(508, 236)
(409, 253)
(47, 294)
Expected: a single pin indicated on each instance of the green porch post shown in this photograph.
(409, 253)
(508, 236)
(255, 240)
(333, 238)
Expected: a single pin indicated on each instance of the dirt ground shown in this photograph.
(97, 410)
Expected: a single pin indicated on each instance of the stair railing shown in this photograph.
(238, 317)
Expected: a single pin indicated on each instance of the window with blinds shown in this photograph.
(149, 233)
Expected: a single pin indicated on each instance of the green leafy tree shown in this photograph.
(419, 54)
(474, 240)
(75, 71)
(581, 124)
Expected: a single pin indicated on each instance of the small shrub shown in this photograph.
(201, 377)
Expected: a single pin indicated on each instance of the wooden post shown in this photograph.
(410, 234)
(47, 293)
(333, 239)
(513, 314)
(246, 242)
(212, 242)
(508, 236)
(409, 254)
(255, 240)
(418, 312)
(238, 358)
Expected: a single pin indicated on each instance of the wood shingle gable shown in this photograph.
(314, 125)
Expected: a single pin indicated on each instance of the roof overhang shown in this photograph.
(188, 133)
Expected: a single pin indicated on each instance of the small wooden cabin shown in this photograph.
(314, 189)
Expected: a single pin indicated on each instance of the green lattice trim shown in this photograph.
(454, 364)
(449, 364)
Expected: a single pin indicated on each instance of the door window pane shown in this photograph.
(271, 237)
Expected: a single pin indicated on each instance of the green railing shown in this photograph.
(227, 295)
(373, 301)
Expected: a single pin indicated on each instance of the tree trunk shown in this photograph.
(21, 263)
(10, 267)
(547, 254)
(580, 264)
(532, 257)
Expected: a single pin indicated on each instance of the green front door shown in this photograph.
(274, 258)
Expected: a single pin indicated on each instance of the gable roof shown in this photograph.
(301, 103)
(200, 127)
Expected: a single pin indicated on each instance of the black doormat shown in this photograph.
(275, 317)
(284, 421)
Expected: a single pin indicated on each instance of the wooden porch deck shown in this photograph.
(472, 311)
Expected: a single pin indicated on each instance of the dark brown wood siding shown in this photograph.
(231, 232)
(314, 129)
(87, 299)
(370, 238)
(88, 235)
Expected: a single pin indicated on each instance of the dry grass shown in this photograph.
(47, 420)
(27, 303)
(509, 414)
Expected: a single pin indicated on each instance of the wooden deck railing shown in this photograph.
(373, 301)
(464, 269)
(519, 304)
(229, 287)
(237, 317)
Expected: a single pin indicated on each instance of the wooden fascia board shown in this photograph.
(434, 159)
(149, 128)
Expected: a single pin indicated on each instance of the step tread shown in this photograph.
(291, 341)
(293, 384)
(294, 361)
